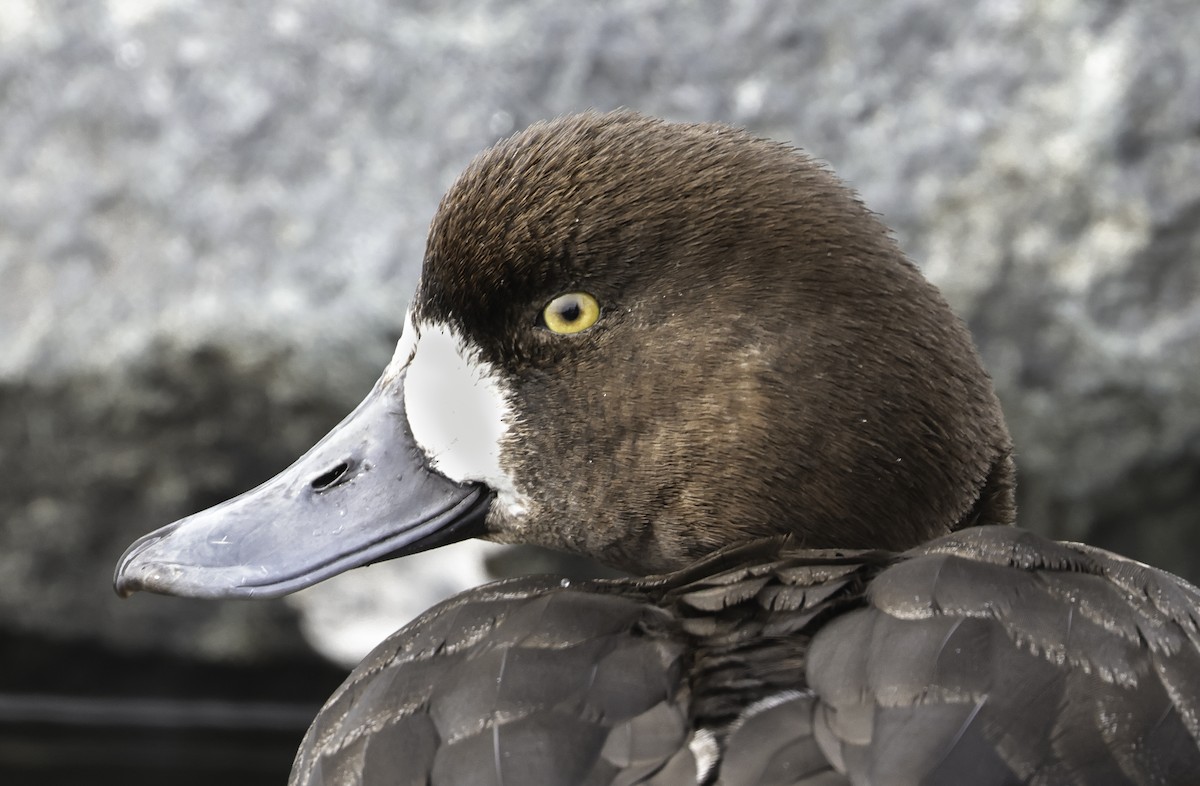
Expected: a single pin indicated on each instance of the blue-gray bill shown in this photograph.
(361, 495)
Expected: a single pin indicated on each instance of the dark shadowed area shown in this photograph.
(212, 214)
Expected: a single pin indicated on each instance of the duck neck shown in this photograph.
(995, 502)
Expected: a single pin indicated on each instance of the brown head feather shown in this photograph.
(760, 327)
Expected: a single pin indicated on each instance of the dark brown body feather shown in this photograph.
(990, 656)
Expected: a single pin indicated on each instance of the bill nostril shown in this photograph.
(339, 473)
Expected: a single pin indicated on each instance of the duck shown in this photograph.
(695, 356)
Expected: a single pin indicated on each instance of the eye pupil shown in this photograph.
(571, 312)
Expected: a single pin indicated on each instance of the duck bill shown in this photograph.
(363, 494)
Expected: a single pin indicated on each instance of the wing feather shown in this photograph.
(994, 656)
(523, 683)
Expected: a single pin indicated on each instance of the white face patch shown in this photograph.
(458, 408)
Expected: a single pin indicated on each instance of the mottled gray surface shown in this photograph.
(212, 214)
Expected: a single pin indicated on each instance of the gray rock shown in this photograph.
(213, 213)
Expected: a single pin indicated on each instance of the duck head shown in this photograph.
(639, 341)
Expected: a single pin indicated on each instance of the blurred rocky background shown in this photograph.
(212, 213)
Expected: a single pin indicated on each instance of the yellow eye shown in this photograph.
(571, 313)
